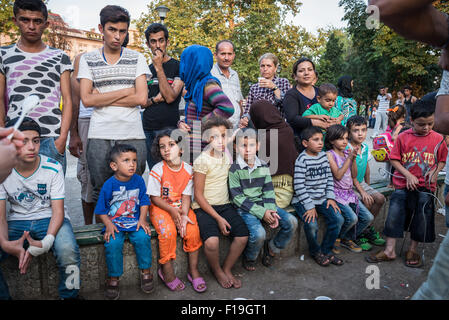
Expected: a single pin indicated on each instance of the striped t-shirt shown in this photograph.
(313, 182)
(112, 122)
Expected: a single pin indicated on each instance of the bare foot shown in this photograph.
(236, 283)
(223, 279)
(169, 276)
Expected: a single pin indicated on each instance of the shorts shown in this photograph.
(209, 226)
(411, 211)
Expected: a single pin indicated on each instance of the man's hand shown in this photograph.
(158, 59)
(243, 122)
(266, 83)
(16, 140)
(184, 127)
(75, 144)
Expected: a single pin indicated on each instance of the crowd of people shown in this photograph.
(231, 166)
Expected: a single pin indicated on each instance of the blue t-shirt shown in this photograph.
(121, 201)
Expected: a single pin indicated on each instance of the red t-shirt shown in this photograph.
(417, 155)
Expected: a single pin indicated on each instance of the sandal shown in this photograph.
(380, 256)
(335, 260)
(146, 282)
(196, 283)
(412, 256)
(321, 259)
(173, 285)
(112, 290)
(267, 258)
(248, 264)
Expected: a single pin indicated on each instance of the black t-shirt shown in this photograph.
(162, 115)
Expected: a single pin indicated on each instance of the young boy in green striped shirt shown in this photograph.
(252, 193)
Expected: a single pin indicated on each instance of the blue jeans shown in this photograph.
(65, 248)
(257, 234)
(436, 287)
(150, 136)
(446, 190)
(354, 226)
(48, 148)
(114, 251)
(334, 221)
(4, 291)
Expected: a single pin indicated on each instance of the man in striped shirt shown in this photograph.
(314, 193)
(252, 193)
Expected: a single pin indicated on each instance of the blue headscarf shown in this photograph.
(194, 69)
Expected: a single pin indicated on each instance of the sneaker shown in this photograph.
(350, 245)
(364, 244)
(374, 237)
(336, 248)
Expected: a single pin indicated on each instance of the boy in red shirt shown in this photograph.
(411, 204)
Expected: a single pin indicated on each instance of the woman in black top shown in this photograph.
(301, 97)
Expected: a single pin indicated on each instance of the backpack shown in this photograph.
(382, 146)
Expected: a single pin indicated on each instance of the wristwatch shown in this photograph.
(152, 100)
(275, 88)
(446, 44)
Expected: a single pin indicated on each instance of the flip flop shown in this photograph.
(173, 284)
(412, 256)
(196, 283)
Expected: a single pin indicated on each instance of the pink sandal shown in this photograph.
(173, 284)
(196, 283)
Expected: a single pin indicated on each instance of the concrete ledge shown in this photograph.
(41, 281)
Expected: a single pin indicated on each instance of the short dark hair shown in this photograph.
(126, 41)
(407, 87)
(155, 28)
(156, 151)
(309, 132)
(224, 41)
(333, 133)
(216, 121)
(114, 14)
(326, 88)
(301, 60)
(355, 121)
(422, 109)
(248, 133)
(30, 5)
(27, 124)
(118, 149)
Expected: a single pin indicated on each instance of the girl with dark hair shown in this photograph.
(301, 97)
(170, 188)
(345, 100)
(344, 169)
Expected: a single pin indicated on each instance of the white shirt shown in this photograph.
(30, 198)
(384, 103)
(112, 122)
(231, 87)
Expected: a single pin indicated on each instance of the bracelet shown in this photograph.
(446, 44)
(275, 88)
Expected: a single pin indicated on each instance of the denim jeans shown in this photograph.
(353, 226)
(257, 234)
(48, 148)
(114, 251)
(65, 248)
(436, 287)
(334, 221)
(446, 190)
(4, 291)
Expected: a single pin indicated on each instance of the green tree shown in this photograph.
(7, 26)
(331, 63)
(255, 27)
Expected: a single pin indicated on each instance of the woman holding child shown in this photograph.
(302, 96)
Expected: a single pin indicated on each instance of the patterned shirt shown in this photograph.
(35, 73)
(251, 189)
(258, 93)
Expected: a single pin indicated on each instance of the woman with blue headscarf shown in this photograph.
(204, 97)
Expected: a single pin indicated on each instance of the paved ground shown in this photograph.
(293, 278)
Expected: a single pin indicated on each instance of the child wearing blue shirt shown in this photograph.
(123, 208)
